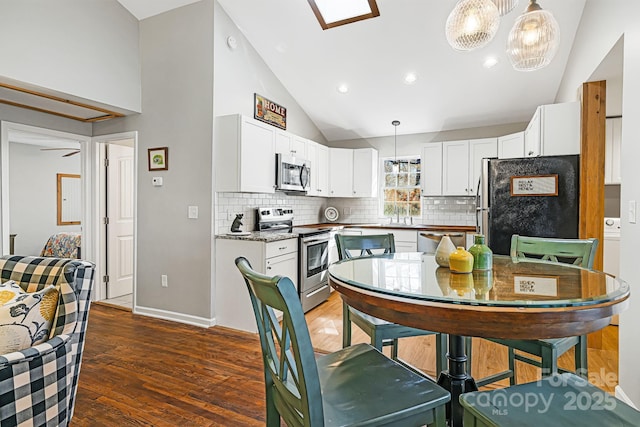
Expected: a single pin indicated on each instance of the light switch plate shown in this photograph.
(193, 212)
(632, 211)
(156, 181)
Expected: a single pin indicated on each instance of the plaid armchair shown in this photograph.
(38, 385)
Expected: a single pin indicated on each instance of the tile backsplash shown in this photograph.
(310, 210)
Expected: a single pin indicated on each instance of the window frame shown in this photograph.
(383, 186)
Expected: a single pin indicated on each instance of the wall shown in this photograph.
(88, 49)
(33, 196)
(241, 72)
(603, 23)
(177, 104)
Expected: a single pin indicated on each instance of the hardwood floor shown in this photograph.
(140, 371)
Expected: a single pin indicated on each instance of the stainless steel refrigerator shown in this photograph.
(533, 196)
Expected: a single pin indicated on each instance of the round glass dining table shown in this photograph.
(516, 299)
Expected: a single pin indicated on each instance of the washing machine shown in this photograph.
(611, 246)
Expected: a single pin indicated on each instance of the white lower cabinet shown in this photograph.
(232, 303)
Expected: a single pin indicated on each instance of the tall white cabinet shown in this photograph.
(244, 155)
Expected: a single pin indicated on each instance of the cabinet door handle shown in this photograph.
(530, 153)
(282, 248)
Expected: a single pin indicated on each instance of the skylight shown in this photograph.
(333, 13)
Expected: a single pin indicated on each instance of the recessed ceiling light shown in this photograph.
(410, 78)
(343, 88)
(332, 13)
(490, 62)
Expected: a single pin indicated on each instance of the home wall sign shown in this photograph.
(535, 285)
(537, 185)
(269, 112)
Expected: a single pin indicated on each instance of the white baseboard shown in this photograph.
(174, 317)
(620, 394)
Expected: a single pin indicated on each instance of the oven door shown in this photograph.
(314, 261)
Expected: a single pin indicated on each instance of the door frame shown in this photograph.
(98, 209)
(85, 180)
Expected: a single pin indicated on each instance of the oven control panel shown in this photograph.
(275, 214)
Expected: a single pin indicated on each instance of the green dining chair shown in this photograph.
(381, 332)
(579, 252)
(557, 400)
(357, 385)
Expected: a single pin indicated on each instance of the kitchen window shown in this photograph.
(401, 187)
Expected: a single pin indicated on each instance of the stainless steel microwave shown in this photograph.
(292, 173)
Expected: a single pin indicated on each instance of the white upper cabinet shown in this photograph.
(340, 172)
(511, 146)
(318, 156)
(365, 172)
(613, 139)
(554, 130)
(431, 164)
(479, 149)
(290, 144)
(462, 162)
(455, 168)
(244, 155)
(353, 173)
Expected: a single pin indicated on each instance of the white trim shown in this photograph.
(97, 211)
(174, 317)
(620, 394)
(85, 149)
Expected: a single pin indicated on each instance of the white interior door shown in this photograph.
(120, 212)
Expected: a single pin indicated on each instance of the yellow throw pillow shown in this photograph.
(25, 318)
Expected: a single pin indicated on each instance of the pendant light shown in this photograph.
(534, 39)
(395, 124)
(505, 6)
(472, 24)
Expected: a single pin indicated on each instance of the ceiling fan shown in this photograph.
(71, 153)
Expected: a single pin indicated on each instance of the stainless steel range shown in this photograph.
(313, 253)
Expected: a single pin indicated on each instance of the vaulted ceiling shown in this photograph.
(452, 91)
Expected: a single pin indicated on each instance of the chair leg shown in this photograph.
(512, 366)
(440, 418)
(549, 362)
(273, 416)
(441, 353)
(394, 349)
(582, 366)
(346, 325)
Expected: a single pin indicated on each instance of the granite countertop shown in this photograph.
(418, 227)
(259, 236)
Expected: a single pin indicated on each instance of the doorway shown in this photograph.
(116, 218)
(33, 161)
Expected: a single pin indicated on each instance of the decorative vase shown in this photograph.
(460, 261)
(482, 255)
(444, 249)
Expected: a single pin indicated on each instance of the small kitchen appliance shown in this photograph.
(313, 253)
(292, 173)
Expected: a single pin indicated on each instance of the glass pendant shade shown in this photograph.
(533, 40)
(505, 6)
(472, 24)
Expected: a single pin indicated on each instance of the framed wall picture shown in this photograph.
(158, 159)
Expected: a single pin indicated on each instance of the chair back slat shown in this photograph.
(580, 252)
(366, 245)
(291, 373)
